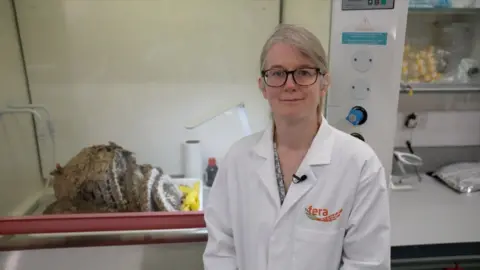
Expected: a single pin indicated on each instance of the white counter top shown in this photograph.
(432, 213)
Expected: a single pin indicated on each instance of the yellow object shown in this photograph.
(196, 186)
(419, 64)
(191, 200)
(427, 78)
(185, 189)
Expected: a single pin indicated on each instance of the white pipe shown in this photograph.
(15, 111)
(51, 129)
(32, 106)
(29, 108)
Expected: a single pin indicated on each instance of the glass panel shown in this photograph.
(442, 50)
(129, 73)
(20, 175)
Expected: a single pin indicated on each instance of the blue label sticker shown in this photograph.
(365, 38)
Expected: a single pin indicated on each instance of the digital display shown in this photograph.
(368, 4)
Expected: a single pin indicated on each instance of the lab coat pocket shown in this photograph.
(317, 249)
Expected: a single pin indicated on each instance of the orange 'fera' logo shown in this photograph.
(322, 214)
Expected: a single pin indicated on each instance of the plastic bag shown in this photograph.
(468, 71)
(463, 177)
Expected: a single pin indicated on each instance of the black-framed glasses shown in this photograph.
(277, 77)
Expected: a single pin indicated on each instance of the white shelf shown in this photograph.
(440, 87)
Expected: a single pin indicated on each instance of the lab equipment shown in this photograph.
(463, 177)
(405, 159)
(440, 52)
(366, 48)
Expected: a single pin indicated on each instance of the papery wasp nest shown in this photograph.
(106, 178)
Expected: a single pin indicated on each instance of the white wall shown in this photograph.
(441, 128)
(19, 171)
(136, 72)
(312, 14)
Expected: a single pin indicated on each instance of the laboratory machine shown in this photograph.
(374, 59)
(380, 50)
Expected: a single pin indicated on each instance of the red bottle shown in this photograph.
(211, 171)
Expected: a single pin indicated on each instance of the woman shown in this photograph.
(301, 195)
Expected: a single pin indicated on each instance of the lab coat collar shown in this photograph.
(319, 154)
(320, 150)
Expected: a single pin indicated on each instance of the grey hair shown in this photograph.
(302, 39)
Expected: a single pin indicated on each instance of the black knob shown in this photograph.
(358, 136)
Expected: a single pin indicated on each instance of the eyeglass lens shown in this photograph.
(303, 76)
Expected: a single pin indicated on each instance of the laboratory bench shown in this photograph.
(433, 224)
(432, 213)
(432, 227)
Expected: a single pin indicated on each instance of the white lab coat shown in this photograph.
(338, 218)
